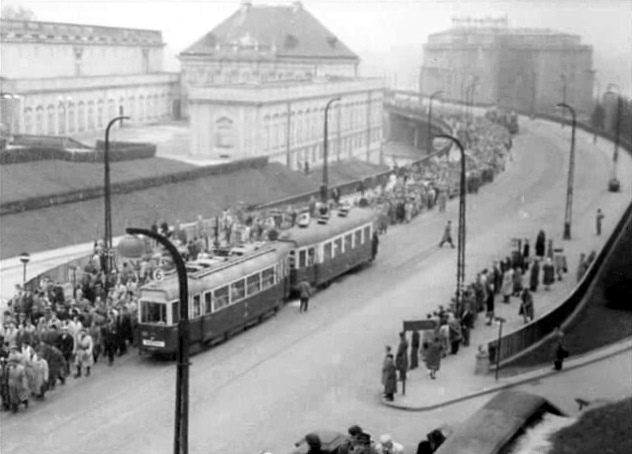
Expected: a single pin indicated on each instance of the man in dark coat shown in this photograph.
(540, 244)
(110, 340)
(375, 243)
(401, 360)
(56, 364)
(390, 384)
(467, 323)
(414, 352)
(534, 278)
(304, 291)
(66, 344)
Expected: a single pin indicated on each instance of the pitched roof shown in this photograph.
(278, 31)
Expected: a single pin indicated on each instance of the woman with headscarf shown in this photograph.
(540, 244)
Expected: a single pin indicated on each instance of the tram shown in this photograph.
(227, 294)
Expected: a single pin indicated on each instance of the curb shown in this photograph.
(579, 361)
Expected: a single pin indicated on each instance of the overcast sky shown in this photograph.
(372, 27)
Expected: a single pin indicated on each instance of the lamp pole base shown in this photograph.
(567, 230)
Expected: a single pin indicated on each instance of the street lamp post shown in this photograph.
(324, 189)
(614, 184)
(571, 171)
(460, 267)
(108, 202)
(24, 258)
(429, 132)
(131, 246)
(470, 98)
(500, 321)
(464, 94)
(564, 80)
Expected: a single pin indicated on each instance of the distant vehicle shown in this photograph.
(244, 285)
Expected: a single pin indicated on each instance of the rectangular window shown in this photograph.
(153, 312)
(253, 284)
(267, 278)
(337, 247)
(311, 256)
(327, 252)
(196, 306)
(302, 258)
(175, 312)
(348, 242)
(208, 302)
(292, 260)
(237, 291)
(367, 233)
(358, 237)
(220, 298)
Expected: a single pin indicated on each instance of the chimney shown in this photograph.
(296, 6)
(245, 5)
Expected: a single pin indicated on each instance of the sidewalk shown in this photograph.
(456, 380)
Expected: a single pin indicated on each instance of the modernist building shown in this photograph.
(61, 79)
(259, 82)
(523, 68)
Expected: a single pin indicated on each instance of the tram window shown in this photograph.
(253, 283)
(175, 312)
(302, 258)
(367, 233)
(337, 247)
(358, 238)
(348, 242)
(196, 306)
(327, 252)
(153, 312)
(221, 298)
(311, 256)
(208, 302)
(237, 291)
(292, 260)
(267, 278)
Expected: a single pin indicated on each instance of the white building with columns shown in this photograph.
(285, 120)
(63, 79)
(258, 83)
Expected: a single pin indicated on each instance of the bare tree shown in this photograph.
(17, 12)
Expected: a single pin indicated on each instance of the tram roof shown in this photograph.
(336, 225)
(493, 426)
(224, 274)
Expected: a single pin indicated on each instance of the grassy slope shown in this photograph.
(31, 179)
(81, 222)
(606, 429)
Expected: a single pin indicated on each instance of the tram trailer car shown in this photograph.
(228, 294)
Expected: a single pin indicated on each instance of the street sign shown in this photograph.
(419, 325)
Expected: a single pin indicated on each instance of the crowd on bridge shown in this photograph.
(50, 330)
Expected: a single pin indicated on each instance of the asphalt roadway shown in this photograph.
(267, 387)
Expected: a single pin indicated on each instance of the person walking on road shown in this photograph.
(304, 293)
(385, 365)
(598, 220)
(447, 235)
(526, 306)
(561, 353)
(540, 244)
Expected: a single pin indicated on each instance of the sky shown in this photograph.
(385, 33)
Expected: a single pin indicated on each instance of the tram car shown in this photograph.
(228, 293)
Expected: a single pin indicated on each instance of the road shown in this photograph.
(272, 384)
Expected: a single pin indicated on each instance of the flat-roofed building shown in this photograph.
(62, 79)
(530, 69)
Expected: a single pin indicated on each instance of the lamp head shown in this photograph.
(131, 247)
(25, 257)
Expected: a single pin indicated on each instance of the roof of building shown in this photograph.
(283, 31)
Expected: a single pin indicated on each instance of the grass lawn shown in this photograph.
(31, 179)
(81, 222)
(603, 430)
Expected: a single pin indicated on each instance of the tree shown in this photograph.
(17, 12)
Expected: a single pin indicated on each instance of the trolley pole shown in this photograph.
(571, 172)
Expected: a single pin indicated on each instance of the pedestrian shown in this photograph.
(390, 384)
(534, 277)
(508, 284)
(426, 338)
(83, 353)
(561, 353)
(17, 382)
(314, 444)
(490, 305)
(388, 446)
(304, 290)
(467, 323)
(385, 364)
(540, 244)
(109, 340)
(447, 235)
(526, 306)
(517, 281)
(456, 335)
(348, 445)
(66, 344)
(598, 219)
(401, 359)
(414, 350)
(375, 244)
(56, 364)
(40, 375)
(548, 272)
(433, 357)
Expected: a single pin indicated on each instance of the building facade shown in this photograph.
(285, 120)
(63, 79)
(520, 68)
(264, 43)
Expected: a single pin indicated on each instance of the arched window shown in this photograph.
(100, 113)
(61, 119)
(50, 120)
(90, 115)
(299, 127)
(81, 116)
(28, 120)
(39, 120)
(224, 133)
(71, 117)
